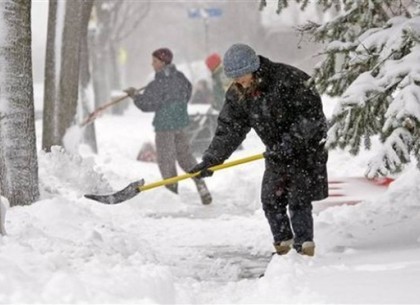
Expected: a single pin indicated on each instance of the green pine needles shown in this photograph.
(371, 62)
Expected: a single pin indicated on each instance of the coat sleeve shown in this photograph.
(310, 127)
(151, 99)
(232, 128)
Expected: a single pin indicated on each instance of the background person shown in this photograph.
(220, 81)
(167, 96)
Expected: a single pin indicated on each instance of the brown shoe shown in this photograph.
(283, 247)
(308, 248)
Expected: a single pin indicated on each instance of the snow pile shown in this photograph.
(61, 251)
(72, 138)
(68, 175)
(391, 220)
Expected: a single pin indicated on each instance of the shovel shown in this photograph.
(93, 115)
(138, 186)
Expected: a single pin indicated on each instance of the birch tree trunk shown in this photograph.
(18, 155)
(62, 63)
(49, 136)
(70, 66)
(67, 67)
(89, 134)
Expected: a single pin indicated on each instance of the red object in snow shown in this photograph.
(147, 153)
(352, 190)
(386, 181)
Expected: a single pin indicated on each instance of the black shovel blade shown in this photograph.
(127, 193)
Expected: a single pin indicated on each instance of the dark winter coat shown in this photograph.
(167, 95)
(287, 115)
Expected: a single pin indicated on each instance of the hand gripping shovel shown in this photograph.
(138, 186)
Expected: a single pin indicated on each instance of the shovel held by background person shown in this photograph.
(93, 115)
(136, 187)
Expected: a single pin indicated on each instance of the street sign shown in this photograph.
(196, 13)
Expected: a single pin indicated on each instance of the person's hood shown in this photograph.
(166, 71)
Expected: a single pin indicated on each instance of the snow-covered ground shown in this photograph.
(166, 249)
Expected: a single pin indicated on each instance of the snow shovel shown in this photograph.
(93, 115)
(138, 186)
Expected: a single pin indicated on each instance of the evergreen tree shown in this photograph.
(371, 63)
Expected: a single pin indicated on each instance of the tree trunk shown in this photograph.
(67, 65)
(89, 135)
(18, 155)
(69, 70)
(100, 55)
(49, 122)
(3, 215)
(61, 70)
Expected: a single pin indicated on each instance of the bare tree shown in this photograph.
(89, 131)
(18, 155)
(116, 20)
(67, 27)
(49, 137)
(69, 70)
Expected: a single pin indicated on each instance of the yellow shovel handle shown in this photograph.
(187, 176)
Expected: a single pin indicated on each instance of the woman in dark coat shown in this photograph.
(274, 100)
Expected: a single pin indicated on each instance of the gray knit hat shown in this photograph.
(240, 59)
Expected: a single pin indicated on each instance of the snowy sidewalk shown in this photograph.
(166, 249)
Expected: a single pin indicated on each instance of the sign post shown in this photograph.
(205, 14)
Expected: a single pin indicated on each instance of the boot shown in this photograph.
(283, 247)
(203, 191)
(172, 187)
(307, 248)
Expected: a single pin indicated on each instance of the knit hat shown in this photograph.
(240, 59)
(163, 54)
(213, 61)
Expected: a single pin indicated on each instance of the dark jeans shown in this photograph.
(279, 193)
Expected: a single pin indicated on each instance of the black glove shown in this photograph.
(271, 156)
(203, 167)
(131, 91)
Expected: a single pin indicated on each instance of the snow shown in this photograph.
(72, 138)
(165, 249)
